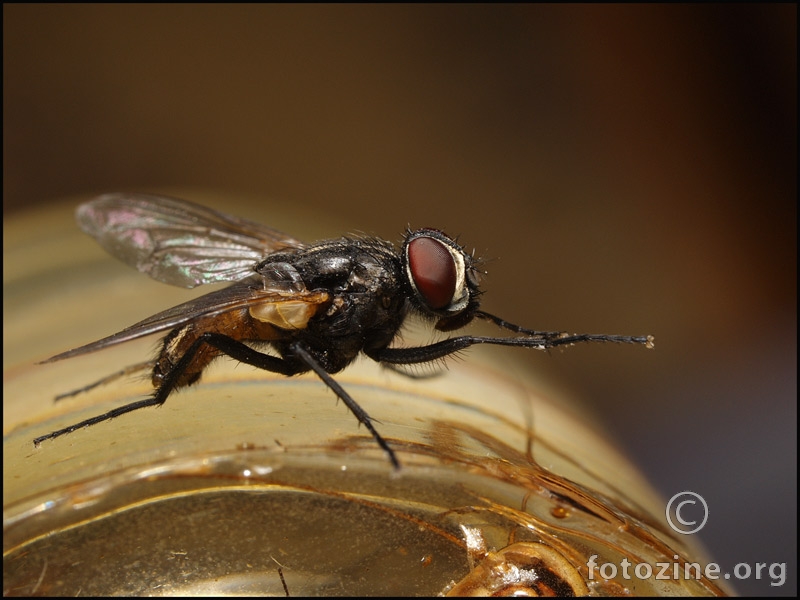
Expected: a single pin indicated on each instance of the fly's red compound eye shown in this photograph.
(433, 271)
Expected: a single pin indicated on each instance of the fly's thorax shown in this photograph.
(338, 263)
(364, 280)
(366, 300)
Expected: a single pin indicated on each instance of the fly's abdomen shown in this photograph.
(176, 344)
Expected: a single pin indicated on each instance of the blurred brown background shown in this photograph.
(630, 169)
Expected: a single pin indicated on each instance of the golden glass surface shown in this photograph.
(253, 483)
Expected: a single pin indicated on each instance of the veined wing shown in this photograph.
(256, 293)
(178, 242)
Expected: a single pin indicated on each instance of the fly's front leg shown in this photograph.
(422, 354)
(395, 368)
(542, 341)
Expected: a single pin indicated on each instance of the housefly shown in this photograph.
(316, 307)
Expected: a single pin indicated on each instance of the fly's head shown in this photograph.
(442, 278)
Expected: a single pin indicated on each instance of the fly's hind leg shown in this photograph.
(171, 380)
(142, 366)
(303, 361)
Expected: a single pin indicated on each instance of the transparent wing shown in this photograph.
(257, 292)
(178, 242)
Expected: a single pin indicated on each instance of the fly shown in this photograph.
(316, 306)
